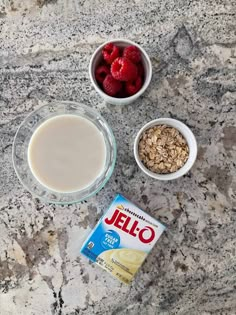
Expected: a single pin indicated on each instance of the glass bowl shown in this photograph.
(21, 143)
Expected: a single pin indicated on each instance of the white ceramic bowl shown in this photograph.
(187, 134)
(97, 58)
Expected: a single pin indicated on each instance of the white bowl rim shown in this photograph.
(187, 134)
(148, 75)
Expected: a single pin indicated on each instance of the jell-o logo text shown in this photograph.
(125, 223)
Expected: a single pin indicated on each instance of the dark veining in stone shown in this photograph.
(35, 248)
(41, 3)
(183, 43)
(86, 278)
(220, 177)
(229, 138)
(91, 218)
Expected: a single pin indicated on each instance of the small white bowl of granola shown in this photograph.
(165, 149)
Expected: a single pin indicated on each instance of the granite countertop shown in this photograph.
(45, 47)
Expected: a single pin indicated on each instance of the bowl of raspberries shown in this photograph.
(120, 71)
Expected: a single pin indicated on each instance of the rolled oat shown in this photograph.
(163, 149)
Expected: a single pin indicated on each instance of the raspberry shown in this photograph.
(132, 53)
(101, 73)
(140, 70)
(123, 69)
(132, 87)
(111, 86)
(122, 93)
(110, 52)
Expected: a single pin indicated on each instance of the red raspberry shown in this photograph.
(122, 93)
(123, 69)
(132, 53)
(110, 52)
(132, 87)
(111, 86)
(140, 70)
(101, 72)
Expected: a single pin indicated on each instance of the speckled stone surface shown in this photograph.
(45, 47)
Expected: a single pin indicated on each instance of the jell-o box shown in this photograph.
(122, 239)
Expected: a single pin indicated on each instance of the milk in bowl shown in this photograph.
(67, 153)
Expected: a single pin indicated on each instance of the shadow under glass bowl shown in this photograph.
(21, 143)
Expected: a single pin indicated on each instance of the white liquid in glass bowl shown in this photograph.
(64, 152)
(67, 153)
